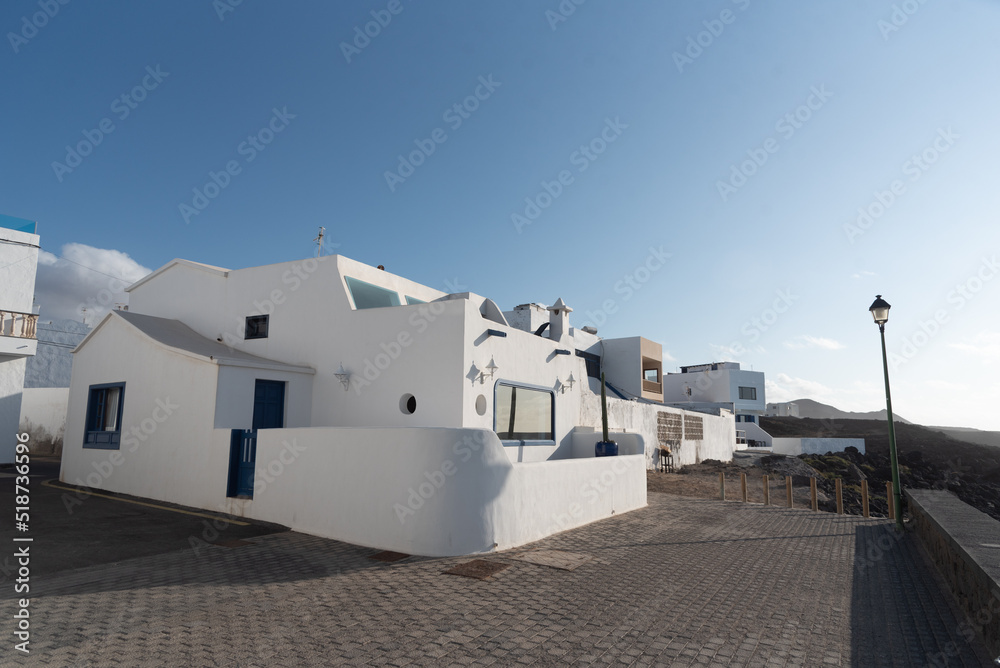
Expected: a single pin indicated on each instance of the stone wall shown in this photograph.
(963, 543)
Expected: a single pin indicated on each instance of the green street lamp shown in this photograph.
(880, 311)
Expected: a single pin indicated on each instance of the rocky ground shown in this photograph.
(916, 471)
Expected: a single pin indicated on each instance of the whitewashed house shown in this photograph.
(18, 264)
(348, 402)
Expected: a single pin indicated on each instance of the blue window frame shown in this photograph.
(104, 416)
(367, 295)
(525, 414)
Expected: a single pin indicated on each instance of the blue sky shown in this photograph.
(739, 137)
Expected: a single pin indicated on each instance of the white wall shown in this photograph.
(448, 492)
(235, 398)
(815, 446)
(623, 364)
(167, 421)
(641, 418)
(43, 415)
(18, 263)
(754, 432)
(719, 386)
(11, 385)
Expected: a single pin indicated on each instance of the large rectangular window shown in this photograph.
(104, 416)
(367, 295)
(748, 393)
(524, 413)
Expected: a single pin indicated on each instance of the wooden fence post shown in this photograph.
(840, 496)
(743, 484)
(788, 489)
(722, 485)
(812, 493)
(864, 498)
(767, 492)
(888, 497)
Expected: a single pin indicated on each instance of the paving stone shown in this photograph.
(682, 582)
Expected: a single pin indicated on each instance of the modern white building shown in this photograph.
(782, 409)
(18, 264)
(345, 401)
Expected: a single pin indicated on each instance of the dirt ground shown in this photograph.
(702, 482)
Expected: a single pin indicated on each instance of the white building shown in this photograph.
(783, 409)
(18, 264)
(348, 402)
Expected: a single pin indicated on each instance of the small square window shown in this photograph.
(256, 327)
(748, 393)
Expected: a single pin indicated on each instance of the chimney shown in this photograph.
(559, 320)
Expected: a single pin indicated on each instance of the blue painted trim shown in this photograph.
(560, 351)
(496, 332)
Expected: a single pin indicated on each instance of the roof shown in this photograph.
(220, 271)
(177, 336)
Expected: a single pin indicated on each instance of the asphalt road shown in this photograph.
(70, 529)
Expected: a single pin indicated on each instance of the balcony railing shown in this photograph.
(650, 386)
(18, 325)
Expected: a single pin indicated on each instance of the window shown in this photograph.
(104, 416)
(524, 414)
(414, 300)
(366, 295)
(256, 327)
(651, 375)
(749, 393)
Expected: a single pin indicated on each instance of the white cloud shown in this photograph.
(84, 278)
(863, 274)
(985, 346)
(667, 357)
(806, 341)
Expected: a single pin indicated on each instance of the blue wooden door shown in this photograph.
(242, 459)
(268, 413)
(268, 405)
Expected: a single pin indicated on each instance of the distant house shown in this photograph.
(349, 402)
(18, 264)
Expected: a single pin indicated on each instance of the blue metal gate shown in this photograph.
(242, 459)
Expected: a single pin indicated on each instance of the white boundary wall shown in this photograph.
(815, 446)
(428, 491)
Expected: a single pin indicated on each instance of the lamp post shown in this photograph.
(880, 311)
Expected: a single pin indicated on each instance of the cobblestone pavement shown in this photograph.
(682, 582)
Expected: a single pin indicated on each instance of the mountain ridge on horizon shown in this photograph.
(810, 408)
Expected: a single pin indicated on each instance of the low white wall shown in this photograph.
(11, 384)
(718, 431)
(815, 446)
(585, 439)
(43, 416)
(430, 491)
